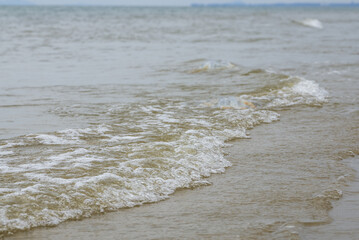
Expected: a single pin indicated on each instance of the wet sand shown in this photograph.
(219, 211)
(345, 213)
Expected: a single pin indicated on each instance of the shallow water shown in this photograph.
(109, 108)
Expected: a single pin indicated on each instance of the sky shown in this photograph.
(170, 2)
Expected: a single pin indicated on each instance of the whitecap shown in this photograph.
(311, 22)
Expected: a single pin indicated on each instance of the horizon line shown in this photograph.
(238, 4)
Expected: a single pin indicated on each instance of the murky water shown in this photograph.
(108, 108)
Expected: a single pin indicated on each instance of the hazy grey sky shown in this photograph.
(170, 2)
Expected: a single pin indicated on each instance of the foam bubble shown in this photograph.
(234, 102)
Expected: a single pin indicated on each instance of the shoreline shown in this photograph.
(184, 215)
(347, 208)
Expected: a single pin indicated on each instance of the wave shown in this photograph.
(214, 65)
(311, 22)
(140, 153)
(294, 91)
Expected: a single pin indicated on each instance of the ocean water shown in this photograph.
(107, 108)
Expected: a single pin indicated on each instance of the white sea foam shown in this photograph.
(76, 133)
(295, 91)
(121, 138)
(68, 155)
(310, 89)
(10, 144)
(43, 178)
(218, 65)
(3, 153)
(167, 118)
(31, 189)
(311, 22)
(214, 65)
(98, 179)
(52, 139)
(193, 155)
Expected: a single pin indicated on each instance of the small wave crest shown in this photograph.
(214, 65)
(292, 92)
(311, 22)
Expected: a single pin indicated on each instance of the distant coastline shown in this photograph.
(352, 4)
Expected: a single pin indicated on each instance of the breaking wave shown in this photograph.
(141, 152)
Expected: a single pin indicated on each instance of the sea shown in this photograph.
(178, 122)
